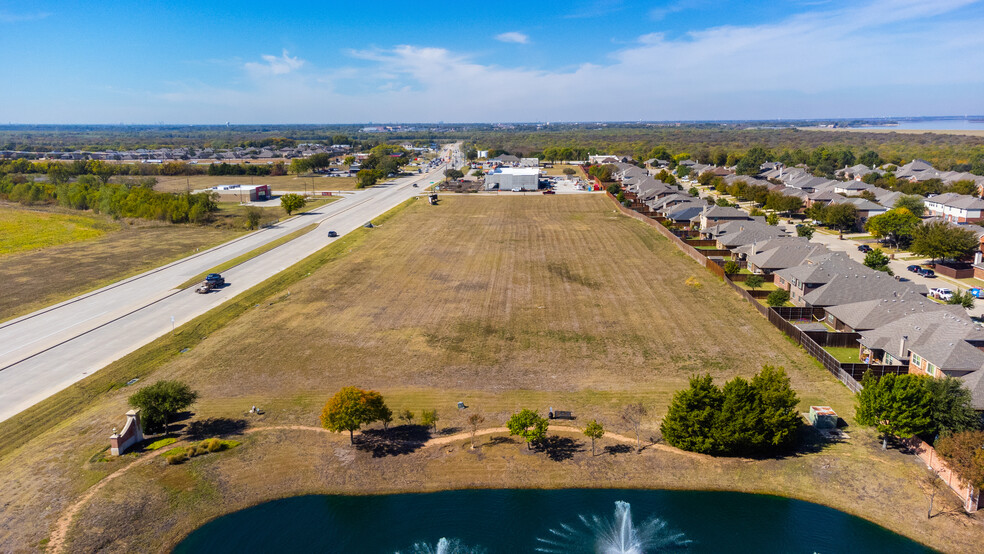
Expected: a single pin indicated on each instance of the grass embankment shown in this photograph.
(14, 432)
(35, 279)
(25, 229)
(248, 256)
(289, 183)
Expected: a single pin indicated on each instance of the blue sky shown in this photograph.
(334, 62)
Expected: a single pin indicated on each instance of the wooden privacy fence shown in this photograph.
(811, 341)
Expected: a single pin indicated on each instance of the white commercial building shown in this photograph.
(509, 178)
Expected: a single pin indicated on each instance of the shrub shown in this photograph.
(777, 298)
(213, 445)
(731, 267)
(175, 459)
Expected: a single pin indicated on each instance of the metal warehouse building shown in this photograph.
(508, 178)
(241, 193)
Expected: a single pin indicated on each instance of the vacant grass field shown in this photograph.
(278, 183)
(25, 229)
(558, 169)
(38, 278)
(499, 302)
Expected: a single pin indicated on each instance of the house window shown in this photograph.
(916, 360)
(930, 369)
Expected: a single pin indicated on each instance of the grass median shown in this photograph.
(248, 256)
(140, 363)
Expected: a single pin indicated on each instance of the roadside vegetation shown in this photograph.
(22, 230)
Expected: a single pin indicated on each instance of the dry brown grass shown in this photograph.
(500, 302)
(278, 183)
(35, 279)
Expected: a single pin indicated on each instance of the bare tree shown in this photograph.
(474, 420)
(633, 414)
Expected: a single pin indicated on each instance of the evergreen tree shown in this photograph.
(689, 423)
(897, 405)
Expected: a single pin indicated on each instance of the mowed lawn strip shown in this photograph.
(248, 256)
(25, 229)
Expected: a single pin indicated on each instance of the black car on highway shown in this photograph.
(332, 234)
(216, 279)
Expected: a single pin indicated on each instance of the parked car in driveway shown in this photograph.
(926, 272)
(941, 293)
(914, 268)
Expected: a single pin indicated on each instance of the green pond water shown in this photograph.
(572, 520)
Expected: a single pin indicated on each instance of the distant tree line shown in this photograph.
(131, 199)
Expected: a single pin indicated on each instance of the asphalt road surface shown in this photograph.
(46, 351)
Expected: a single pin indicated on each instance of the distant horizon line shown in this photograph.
(540, 122)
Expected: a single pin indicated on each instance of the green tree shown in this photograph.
(772, 218)
(754, 281)
(351, 408)
(594, 431)
(406, 416)
(777, 400)
(693, 192)
(348, 161)
(964, 453)
(366, 178)
(429, 418)
(292, 202)
(896, 225)
(877, 260)
(299, 165)
(569, 171)
(160, 401)
(951, 410)
(529, 425)
(731, 267)
(912, 202)
(689, 422)
(777, 298)
(942, 240)
(453, 174)
(962, 298)
(841, 216)
(253, 217)
(736, 428)
(614, 189)
(897, 405)
(805, 230)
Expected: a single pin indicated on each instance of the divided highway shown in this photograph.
(46, 351)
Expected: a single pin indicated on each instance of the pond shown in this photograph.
(569, 521)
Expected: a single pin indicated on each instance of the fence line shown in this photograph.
(811, 341)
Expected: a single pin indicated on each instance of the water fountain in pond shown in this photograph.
(618, 535)
(443, 546)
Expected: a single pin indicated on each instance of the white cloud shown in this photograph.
(275, 65)
(513, 36)
(886, 57)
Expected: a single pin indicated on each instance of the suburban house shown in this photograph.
(956, 208)
(732, 234)
(872, 314)
(937, 344)
(717, 214)
(769, 256)
(855, 172)
(861, 284)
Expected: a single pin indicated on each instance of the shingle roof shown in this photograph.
(871, 314)
(939, 337)
(863, 284)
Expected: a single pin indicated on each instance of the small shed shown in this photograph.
(823, 417)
